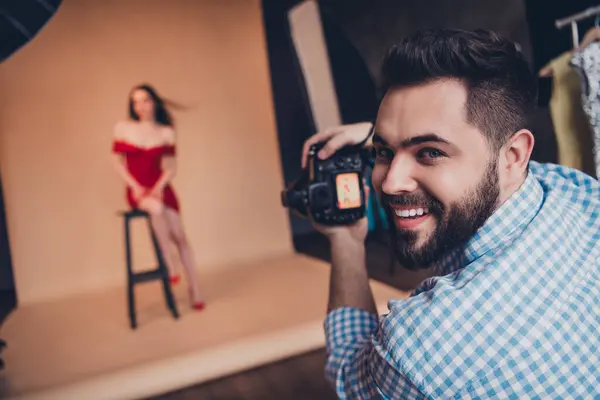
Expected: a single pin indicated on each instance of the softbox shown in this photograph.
(21, 21)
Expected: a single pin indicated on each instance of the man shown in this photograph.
(513, 310)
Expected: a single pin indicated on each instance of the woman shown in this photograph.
(144, 147)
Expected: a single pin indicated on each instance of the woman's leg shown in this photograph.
(161, 228)
(185, 252)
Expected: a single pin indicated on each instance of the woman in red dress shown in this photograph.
(144, 147)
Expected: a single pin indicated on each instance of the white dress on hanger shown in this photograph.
(587, 62)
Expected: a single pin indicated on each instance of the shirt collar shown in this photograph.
(507, 222)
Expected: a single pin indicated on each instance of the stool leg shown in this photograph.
(130, 283)
(165, 274)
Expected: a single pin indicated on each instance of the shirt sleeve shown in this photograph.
(358, 363)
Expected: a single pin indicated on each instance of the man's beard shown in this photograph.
(454, 226)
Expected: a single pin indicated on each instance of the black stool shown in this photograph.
(160, 273)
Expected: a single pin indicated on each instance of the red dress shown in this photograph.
(145, 167)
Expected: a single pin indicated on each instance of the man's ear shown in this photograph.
(517, 152)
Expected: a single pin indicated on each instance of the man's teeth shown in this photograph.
(411, 213)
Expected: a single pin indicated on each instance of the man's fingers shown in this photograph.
(333, 145)
(316, 138)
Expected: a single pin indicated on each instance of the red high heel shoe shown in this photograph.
(197, 305)
(174, 279)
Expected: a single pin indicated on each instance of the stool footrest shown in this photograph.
(147, 276)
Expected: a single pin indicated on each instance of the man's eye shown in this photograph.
(430, 153)
(383, 153)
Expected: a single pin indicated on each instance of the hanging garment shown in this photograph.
(587, 63)
(574, 136)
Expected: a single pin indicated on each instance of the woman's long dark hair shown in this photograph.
(161, 114)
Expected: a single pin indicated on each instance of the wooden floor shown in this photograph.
(299, 377)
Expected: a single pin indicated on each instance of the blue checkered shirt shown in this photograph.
(514, 314)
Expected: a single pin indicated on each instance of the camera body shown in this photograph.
(330, 191)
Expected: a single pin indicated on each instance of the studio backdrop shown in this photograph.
(61, 97)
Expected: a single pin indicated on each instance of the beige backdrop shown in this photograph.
(61, 96)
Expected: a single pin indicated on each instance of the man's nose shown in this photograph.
(399, 177)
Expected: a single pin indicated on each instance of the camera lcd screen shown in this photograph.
(348, 191)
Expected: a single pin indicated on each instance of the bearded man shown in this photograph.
(513, 309)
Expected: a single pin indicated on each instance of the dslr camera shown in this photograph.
(330, 191)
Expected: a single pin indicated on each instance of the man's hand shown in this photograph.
(349, 282)
(337, 137)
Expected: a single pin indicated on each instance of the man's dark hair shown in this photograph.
(502, 91)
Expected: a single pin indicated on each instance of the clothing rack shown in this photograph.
(573, 19)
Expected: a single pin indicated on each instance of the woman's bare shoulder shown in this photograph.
(168, 133)
(124, 128)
